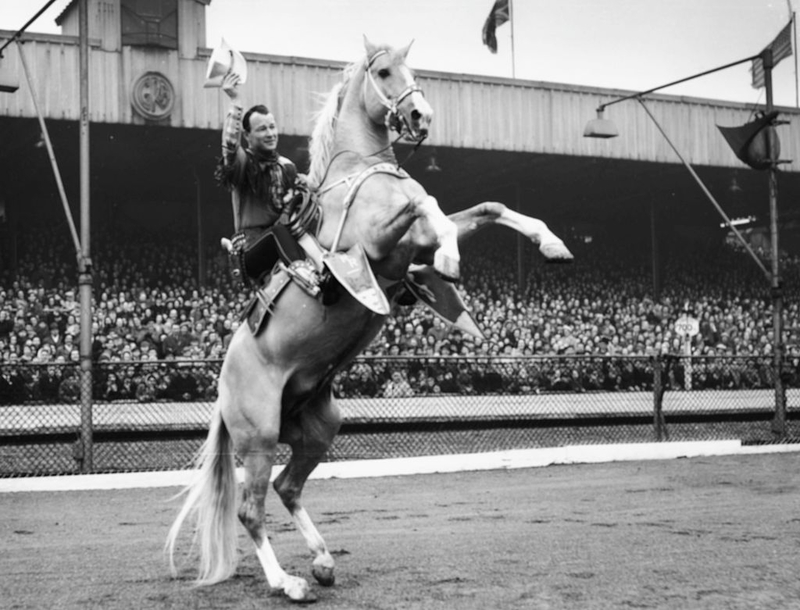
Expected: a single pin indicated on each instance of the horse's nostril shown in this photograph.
(416, 114)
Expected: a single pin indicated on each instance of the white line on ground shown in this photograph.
(499, 460)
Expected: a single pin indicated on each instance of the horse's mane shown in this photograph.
(321, 142)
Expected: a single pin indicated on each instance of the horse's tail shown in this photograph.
(211, 500)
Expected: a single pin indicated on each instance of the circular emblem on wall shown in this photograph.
(153, 96)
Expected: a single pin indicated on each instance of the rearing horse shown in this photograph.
(275, 387)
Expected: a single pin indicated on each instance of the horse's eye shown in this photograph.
(384, 73)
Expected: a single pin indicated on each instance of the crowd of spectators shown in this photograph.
(149, 308)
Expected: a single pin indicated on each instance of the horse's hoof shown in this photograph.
(556, 253)
(298, 591)
(324, 575)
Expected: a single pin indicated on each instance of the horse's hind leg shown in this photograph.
(310, 434)
(257, 444)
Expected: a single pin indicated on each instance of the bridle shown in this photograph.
(394, 119)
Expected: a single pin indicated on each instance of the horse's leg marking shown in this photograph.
(258, 467)
(310, 437)
(538, 232)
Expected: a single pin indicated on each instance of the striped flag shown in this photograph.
(497, 17)
(781, 48)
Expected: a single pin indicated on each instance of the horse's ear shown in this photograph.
(370, 48)
(404, 51)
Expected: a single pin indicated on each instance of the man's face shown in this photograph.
(263, 134)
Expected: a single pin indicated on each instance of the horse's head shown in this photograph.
(391, 94)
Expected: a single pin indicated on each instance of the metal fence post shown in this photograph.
(85, 263)
(658, 396)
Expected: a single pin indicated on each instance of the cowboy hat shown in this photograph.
(225, 59)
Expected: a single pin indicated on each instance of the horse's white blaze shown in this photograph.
(405, 71)
(417, 99)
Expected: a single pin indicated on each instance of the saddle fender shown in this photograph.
(352, 270)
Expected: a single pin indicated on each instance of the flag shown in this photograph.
(497, 17)
(781, 48)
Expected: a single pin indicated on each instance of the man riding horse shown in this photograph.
(275, 385)
(273, 214)
(265, 187)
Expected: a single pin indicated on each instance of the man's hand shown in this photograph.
(230, 85)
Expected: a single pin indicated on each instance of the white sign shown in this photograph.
(687, 326)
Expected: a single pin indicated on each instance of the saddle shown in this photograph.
(270, 263)
(293, 254)
(276, 258)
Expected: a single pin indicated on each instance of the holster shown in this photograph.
(262, 252)
(236, 257)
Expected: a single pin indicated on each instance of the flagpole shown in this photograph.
(513, 55)
(779, 418)
(796, 82)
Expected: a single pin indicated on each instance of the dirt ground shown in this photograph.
(693, 533)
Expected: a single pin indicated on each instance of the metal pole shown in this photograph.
(49, 145)
(779, 419)
(794, 41)
(707, 193)
(21, 31)
(513, 50)
(676, 82)
(201, 263)
(520, 244)
(658, 399)
(84, 263)
(654, 251)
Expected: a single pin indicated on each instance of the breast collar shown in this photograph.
(354, 182)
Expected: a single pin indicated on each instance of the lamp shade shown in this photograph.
(432, 165)
(600, 128)
(8, 81)
(749, 141)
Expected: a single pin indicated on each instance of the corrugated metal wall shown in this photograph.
(474, 112)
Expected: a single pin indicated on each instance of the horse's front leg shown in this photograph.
(446, 258)
(551, 246)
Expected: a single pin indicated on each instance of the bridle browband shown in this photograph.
(394, 120)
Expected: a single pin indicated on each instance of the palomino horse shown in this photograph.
(275, 387)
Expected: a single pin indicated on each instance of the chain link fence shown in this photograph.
(154, 415)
